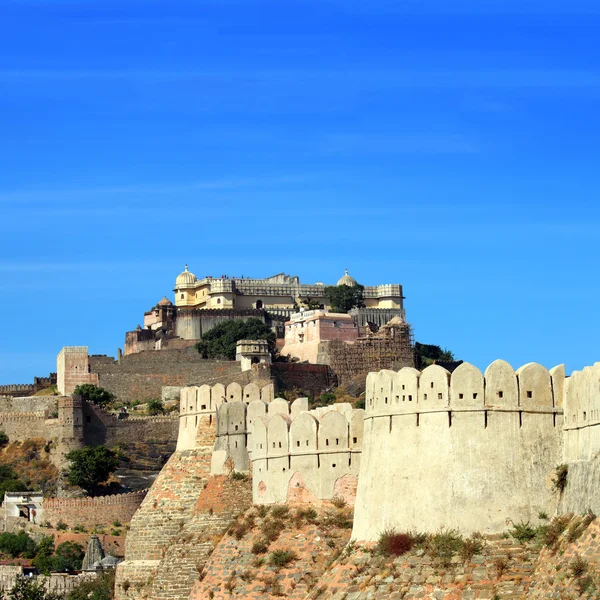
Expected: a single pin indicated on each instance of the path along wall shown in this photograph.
(304, 456)
(582, 441)
(462, 451)
(101, 510)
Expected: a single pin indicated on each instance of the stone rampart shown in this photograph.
(467, 451)
(304, 456)
(22, 426)
(203, 401)
(308, 379)
(28, 404)
(582, 441)
(100, 510)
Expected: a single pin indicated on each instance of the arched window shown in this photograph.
(259, 304)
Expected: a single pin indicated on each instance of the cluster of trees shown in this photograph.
(344, 298)
(46, 558)
(221, 340)
(427, 354)
(94, 394)
(100, 588)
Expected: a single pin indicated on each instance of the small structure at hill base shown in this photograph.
(23, 505)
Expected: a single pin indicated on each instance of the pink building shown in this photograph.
(305, 330)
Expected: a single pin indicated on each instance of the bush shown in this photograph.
(280, 512)
(221, 340)
(3, 439)
(237, 476)
(281, 558)
(262, 510)
(392, 543)
(17, 544)
(444, 544)
(26, 588)
(523, 532)
(260, 546)
(327, 398)
(91, 466)
(94, 394)
(99, 588)
(471, 547)
(550, 534)
(9, 481)
(559, 481)
(61, 526)
(338, 502)
(360, 403)
(272, 529)
(308, 514)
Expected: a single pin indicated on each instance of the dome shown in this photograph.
(165, 301)
(186, 278)
(109, 562)
(347, 280)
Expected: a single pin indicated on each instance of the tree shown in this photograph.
(427, 354)
(155, 407)
(17, 544)
(221, 340)
(9, 481)
(93, 393)
(310, 303)
(100, 588)
(27, 588)
(343, 298)
(91, 466)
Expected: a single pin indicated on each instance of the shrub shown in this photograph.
(578, 567)
(550, 534)
(338, 519)
(99, 588)
(26, 588)
(79, 529)
(116, 523)
(3, 438)
(262, 510)
(338, 502)
(308, 514)
(281, 558)
(360, 403)
(280, 512)
(559, 480)
(327, 398)
(271, 529)
(17, 544)
(444, 544)
(471, 546)
(260, 546)
(237, 476)
(523, 532)
(392, 543)
(542, 516)
(240, 530)
(61, 526)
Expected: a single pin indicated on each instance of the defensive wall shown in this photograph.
(307, 379)
(463, 451)
(582, 441)
(89, 512)
(304, 456)
(59, 583)
(28, 389)
(198, 403)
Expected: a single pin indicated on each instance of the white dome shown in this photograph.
(347, 280)
(186, 278)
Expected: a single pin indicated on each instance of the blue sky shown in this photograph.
(449, 146)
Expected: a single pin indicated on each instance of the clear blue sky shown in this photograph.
(450, 146)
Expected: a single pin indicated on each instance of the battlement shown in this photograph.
(304, 456)
(110, 500)
(74, 349)
(479, 447)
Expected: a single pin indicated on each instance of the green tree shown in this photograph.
(9, 481)
(27, 588)
(343, 298)
(100, 588)
(310, 303)
(427, 354)
(93, 393)
(155, 407)
(220, 341)
(17, 544)
(91, 466)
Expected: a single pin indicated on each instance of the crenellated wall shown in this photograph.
(203, 401)
(582, 441)
(304, 456)
(466, 450)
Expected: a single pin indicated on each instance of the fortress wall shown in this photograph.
(203, 401)
(457, 451)
(28, 404)
(305, 456)
(309, 379)
(582, 441)
(23, 426)
(101, 510)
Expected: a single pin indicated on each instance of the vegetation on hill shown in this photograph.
(427, 354)
(26, 588)
(67, 557)
(26, 466)
(344, 297)
(101, 588)
(93, 393)
(221, 340)
(91, 466)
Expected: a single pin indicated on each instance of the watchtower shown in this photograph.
(252, 352)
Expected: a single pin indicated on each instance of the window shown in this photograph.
(530, 394)
(327, 442)
(440, 396)
(354, 440)
(403, 398)
(410, 398)
(273, 444)
(298, 443)
(500, 394)
(432, 385)
(424, 396)
(280, 444)
(218, 300)
(475, 396)
(203, 407)
(182, 296)
(461, 396)
(403, 386)
(307, 442)
(337, 441)
(236, 428)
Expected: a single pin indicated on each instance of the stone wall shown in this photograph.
(60, 583)
(310, 380)
(100, 510)
(469, 451)
(28, 404)
(141, 376)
